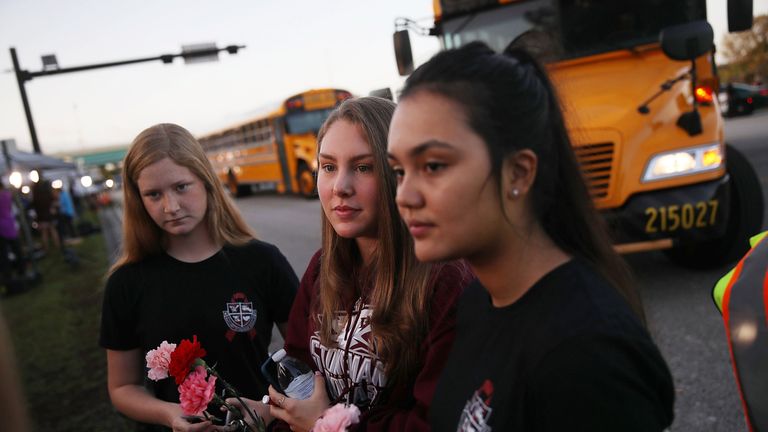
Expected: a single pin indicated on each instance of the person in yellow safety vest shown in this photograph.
(742, 298)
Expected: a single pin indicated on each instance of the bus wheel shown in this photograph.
(306, 181)
(744, 221)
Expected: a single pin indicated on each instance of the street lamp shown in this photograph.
(15, 179)
(190, 53)
(86, 181)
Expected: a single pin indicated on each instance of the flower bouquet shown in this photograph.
(197, 382)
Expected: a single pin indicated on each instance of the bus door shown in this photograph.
(282, 156)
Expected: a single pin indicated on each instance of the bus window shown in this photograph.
(590, 27)
(499, 27)
(571, 28)
(306, 122)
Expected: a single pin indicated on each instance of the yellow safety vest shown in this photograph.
(742, 298)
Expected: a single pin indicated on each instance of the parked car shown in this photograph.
(741, 99)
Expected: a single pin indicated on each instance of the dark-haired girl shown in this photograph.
(551, 337)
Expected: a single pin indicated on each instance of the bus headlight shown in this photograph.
(684, 162)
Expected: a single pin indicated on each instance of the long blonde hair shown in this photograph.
(141, 235)
(399, 294)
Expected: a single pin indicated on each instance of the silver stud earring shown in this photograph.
(515, 193)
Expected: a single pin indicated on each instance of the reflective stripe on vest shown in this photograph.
(726, 281)
(744, 307)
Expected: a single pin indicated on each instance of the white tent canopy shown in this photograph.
(48, 167)
(23, 161)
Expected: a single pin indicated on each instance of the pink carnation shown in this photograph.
(158, 361)
(196, 392)
(337, 418)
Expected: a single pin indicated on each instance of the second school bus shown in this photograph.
(636, 79)
(277, 150)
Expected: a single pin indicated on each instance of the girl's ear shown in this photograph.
(518, 172)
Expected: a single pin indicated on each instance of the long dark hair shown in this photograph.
(510, 102)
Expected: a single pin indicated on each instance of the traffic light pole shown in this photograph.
(22, 76)
(20, 79)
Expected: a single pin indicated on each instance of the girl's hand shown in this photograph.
(180, 424)
(300, 414)
(257, 407)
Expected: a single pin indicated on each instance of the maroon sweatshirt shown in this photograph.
(353, 371)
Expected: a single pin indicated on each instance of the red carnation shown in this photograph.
(183, 357)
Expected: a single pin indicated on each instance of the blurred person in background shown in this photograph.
(741, 296)
(43, 205)
(13, 410)
(66, 214)
(9, 241)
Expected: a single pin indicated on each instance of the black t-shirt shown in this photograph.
(230, 301)
(567, 356)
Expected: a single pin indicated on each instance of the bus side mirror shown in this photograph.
(403, 52)
(687, 41)
(384, 92)
(739, 15)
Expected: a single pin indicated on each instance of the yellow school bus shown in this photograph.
(275, 151)
(636, 80)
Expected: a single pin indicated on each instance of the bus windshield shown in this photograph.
(571, 28)
(306, 121)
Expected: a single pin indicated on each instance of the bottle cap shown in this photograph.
(278, 355)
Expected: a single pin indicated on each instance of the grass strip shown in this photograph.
(54, 326)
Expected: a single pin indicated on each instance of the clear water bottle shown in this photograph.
(294, 376)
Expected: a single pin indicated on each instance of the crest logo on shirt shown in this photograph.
(240, 316)
(477, 411)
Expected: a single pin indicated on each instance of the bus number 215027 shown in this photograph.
(675, 217)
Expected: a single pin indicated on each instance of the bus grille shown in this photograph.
(596, 161)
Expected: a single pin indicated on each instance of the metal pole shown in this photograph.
(165, 58)
(22, 211)
(21, 77)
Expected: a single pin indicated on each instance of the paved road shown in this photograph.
(292, 223)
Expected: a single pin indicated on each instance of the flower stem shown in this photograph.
(257, 420)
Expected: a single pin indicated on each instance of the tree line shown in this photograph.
(746, 54)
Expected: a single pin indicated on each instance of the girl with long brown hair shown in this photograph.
(373, 321)
(189, 266)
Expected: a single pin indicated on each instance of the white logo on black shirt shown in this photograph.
(239, 315)
(477, 411)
